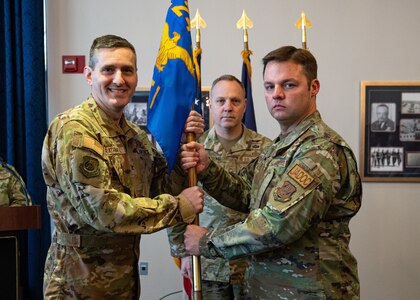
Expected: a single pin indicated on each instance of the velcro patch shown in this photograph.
(279, 162)
(284, 192)
(89, 167)
(255, 145)
(298, 174)
(93, 144)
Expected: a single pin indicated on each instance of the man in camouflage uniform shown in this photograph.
(101, 172)
(233, 146)
(12, 187)
(300, 193)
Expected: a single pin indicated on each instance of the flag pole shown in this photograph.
(196, 262)
(249, 117)
(197, 22)
(302, 24)
(243, 23)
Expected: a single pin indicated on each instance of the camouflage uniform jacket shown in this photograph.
(301, 193)
(10, 188)
(99, 179)
(214, 214)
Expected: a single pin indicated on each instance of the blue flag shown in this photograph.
(173, 85)
(249, 116)
(198, 104)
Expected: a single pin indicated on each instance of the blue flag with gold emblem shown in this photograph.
(173, 87)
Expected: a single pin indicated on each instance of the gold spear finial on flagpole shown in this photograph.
(302, 24)
(243, 23)
(198, 23)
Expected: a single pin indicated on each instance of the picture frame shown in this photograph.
(136, 110)
(390, 131)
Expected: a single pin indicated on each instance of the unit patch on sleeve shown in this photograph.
(89, 167)
(284, 192)
(298, 174)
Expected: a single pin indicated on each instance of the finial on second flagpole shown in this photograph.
(198, 23)
(243, 23)
(302, 24)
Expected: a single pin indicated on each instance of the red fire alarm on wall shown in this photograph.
(73, 64)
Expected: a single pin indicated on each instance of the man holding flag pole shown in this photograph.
(300, 195)
(106, 184)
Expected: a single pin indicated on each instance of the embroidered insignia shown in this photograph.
(284, 192)
(280, 162)
(89, 167)
(298, 174)
(255, 145)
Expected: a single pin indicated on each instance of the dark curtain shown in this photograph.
(23, 116)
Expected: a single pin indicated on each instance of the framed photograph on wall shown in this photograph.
(390, 131)
(136, 110)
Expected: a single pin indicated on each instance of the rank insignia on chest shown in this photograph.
(255, 145)
(280, 162)
(298, 174)
(284, 192)
(89, 167)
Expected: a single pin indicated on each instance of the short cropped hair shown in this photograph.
(383, 105)
(108, 41)
(297, 55)
(227, 77)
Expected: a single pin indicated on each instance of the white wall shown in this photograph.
(352, 40)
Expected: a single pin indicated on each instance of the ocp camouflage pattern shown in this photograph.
(300, 194)
(215, 215)
(100, 179)
(11, 193)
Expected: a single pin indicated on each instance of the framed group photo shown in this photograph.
(390, 131)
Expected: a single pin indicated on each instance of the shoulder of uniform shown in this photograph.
(253, 134)
(204, 136)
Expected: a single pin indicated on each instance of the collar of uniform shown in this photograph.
(107, 122)
(210, 141)
(300, 128)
